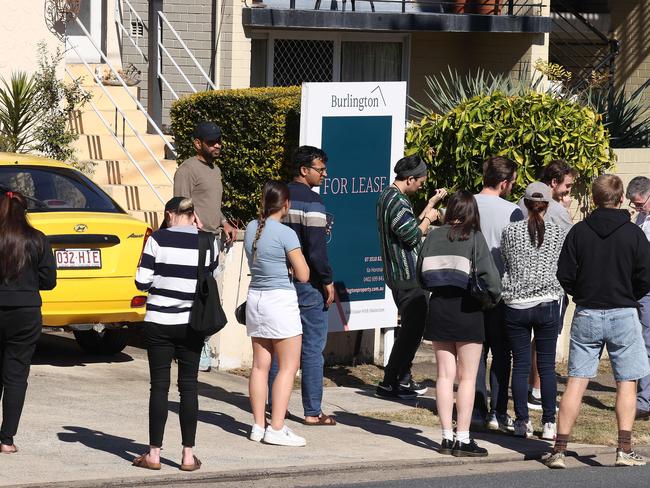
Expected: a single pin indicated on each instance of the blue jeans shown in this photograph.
(619, 330)
(497, 342)
(313, 316)
(543, 320)
(643, 397)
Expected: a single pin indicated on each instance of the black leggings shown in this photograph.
(20, 328)
(164, 342)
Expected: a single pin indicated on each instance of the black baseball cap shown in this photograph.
(207, 131)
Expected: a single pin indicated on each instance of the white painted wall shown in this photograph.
(23, 25)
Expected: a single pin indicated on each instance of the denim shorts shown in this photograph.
(619, 330)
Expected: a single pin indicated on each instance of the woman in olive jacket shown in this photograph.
(26, 266)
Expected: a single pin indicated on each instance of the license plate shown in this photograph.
(78, 258)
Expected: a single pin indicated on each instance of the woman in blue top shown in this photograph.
(272, 315)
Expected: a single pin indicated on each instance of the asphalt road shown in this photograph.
(592, 477)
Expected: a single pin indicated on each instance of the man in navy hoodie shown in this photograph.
(605, 266)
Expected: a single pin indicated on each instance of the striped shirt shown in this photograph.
(167, 270)
(400, 236)
(308, 219)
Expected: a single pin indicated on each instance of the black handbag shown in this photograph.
(207, 316)
(476, 287)
(240, 313)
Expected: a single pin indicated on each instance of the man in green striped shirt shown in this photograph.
(401, 234)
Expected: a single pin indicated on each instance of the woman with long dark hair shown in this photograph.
(272, 314)
(455, 317)
(168, 270)
(531, 292)
(26, 266)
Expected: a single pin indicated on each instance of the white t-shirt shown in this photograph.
(496, 213)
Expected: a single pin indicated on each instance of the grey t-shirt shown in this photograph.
(269, 270)
(496, 213)
(202, 183)
(556, 214)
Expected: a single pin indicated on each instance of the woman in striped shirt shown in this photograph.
(168, 271)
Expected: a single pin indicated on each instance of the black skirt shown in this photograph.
(454, 316)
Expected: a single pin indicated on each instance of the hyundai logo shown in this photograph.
(80, 227)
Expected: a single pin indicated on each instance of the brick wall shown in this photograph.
(432, 53)
(192, 20)
(631, 25)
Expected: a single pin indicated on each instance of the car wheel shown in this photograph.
(106, 342)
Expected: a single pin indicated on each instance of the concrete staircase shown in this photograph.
(114, 172)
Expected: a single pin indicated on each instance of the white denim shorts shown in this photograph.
(273, 314)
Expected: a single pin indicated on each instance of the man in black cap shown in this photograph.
(199, 178)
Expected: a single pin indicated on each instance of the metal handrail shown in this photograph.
(126, 151)
(162, 18)
(125, 119)
(125, 86)
(507, 6)
(120, 24)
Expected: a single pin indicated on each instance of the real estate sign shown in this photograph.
(361, 128)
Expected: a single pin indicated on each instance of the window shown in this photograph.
(55, 189)
(296, 61)
(287, 59)
(371, 61)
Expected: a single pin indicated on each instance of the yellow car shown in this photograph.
(96, 244)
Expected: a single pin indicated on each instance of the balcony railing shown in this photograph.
(473, 7)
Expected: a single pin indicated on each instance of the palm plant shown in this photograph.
(626, 117)
(19, 112)
(446, 91)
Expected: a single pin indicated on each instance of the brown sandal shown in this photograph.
(322, 420)
(192, 467)
(13, 451)
(141, 462)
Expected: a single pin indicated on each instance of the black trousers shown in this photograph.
(412, 305)
(496, 341)
(164, 343)
(20, 328)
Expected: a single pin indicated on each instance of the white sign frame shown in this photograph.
(345, 100)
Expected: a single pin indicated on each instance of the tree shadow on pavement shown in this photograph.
(530, 448)
(234, 398)
(122, 447)
(218, 419)
(409, 435)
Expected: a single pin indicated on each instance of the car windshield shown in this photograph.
(50, 189)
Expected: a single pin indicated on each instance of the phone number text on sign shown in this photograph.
(78, 258)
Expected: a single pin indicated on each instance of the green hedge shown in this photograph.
(260, 130)
(532, 130)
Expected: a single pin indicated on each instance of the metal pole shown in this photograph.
(154, 88)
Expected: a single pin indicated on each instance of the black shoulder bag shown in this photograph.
(207, 316)
(476, 287)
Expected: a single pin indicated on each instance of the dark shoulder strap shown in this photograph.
(204, 244)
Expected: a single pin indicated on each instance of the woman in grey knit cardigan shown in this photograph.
(455, 318)
(531, 292)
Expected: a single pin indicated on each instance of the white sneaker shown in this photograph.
(491, 421)
(548, 431)
(283, 437)
(257, 433)
(523, 429)
(499, 422)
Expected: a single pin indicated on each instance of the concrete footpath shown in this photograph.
(86, 418)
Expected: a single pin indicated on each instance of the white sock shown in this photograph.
(447, 434)
(463, 437)
(537, 393)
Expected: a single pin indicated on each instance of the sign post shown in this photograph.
(361, 128)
